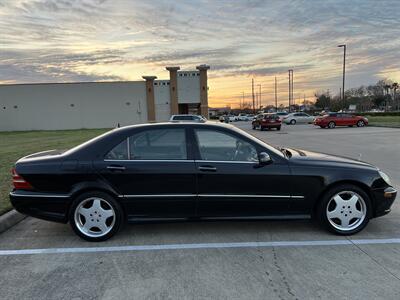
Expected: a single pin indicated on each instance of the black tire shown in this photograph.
(322, 126)
(254, 127)
(321, 212)
(262, 128)
(292, 122)
(278, 128)
(118, 215)
(331, 125)
(360, 123)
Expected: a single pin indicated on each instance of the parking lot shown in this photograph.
(220, 260)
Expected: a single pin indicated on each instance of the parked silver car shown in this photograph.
(298, 118)
(190, 118)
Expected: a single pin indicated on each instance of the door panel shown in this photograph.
(153, 188)
(232, 183)
(230, 189)
(153, 174)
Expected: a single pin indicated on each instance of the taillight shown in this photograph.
(19, 182)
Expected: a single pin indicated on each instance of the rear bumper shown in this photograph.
(271, 125)
(384, 199)
(51, 207)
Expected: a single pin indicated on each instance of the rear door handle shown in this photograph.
(207, 169)
(116, 168)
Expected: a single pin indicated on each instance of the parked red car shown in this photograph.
(263, 121)
(332, 120)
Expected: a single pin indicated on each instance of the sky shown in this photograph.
(105, 40)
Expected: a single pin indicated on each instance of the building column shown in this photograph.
(151, 108)
(173, 89)
(203, 90)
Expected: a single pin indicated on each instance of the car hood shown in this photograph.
(323, 159)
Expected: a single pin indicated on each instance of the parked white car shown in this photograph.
(231, 118)
(298, 118)
(245, 117)
(190, 118)
(281, 115)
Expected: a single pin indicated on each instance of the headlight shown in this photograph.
(385, 177)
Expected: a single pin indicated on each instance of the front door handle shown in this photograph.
(207, 169)
(116, 168)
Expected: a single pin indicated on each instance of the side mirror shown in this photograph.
(264, 158)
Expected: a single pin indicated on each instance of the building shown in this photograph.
(54, 106)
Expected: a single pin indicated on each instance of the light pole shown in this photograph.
(344, 71)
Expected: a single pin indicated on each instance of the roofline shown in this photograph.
(78, 82)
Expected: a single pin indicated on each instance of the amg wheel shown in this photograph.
(331, 125)
(95, 216)
(292, 122)
(360, 123)
(344, 210)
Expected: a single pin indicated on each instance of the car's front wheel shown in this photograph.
(344, 210)
(292, 122)
(95, 216)
(360, 123)
(331, 125)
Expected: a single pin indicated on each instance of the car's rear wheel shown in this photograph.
(360, 123)
(278, 128)
(331, 125)
(292, 122)
(344, 210)
(262, 128)
(95, 216)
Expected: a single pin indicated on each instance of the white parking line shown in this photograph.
(200, 246)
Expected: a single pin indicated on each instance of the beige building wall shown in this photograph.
(72, 105)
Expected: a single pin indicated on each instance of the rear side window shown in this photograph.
(183, 118)
(119, 152)
(158, 144)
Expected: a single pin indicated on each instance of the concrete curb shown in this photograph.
(9, 219)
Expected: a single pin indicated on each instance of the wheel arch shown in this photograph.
(332, 185)
(85, 187)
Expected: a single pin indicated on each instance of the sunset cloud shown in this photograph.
(92, 40)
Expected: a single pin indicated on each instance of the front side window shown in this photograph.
(158, 144)
(221, 146)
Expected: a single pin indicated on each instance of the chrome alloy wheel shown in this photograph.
(346, 210)
(94, 217)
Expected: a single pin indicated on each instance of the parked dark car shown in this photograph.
(180, 171)
(331, 120)
(267, 121)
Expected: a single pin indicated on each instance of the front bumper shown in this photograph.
(384, 199)
(46, 206)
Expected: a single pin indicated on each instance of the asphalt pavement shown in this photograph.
(220, 260)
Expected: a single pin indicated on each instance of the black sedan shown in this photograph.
(181, 171)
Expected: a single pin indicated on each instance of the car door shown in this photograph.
(154, 173)
(232, 183)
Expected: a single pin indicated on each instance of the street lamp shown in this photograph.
(344, 71)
